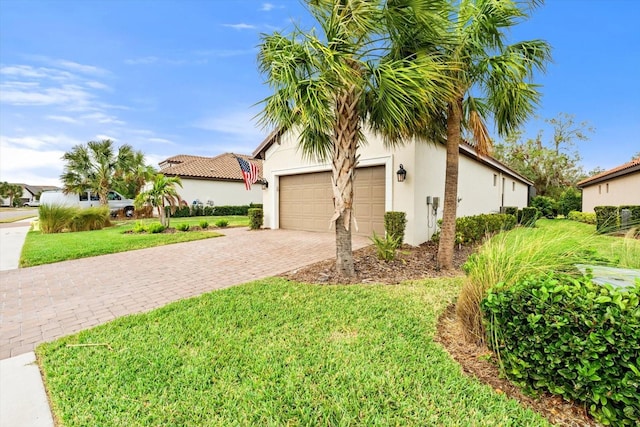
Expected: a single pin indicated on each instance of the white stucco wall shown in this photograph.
(425, 165)
(220, 192)
(624, 190)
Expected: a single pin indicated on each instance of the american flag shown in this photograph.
(249, 172)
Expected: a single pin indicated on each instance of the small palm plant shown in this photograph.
(163, 196)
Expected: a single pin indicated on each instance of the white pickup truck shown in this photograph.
(88, 199)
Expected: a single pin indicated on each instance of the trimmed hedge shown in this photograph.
(395, 224)
(528, 216)
(586, 217)
(200, 210)
(634, 220)
(256, 218)
(606, 218)
(472, 229)
(571, 337)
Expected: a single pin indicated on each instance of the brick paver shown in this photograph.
(42, 303)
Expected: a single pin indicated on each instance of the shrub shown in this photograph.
(256, 218)
(586, 217)
(385, 246)
(606, 218)
(472, 229)
(571, 337)
(209, 210)
(232, 210)
(181, 212)
(222, 223)
(145, 211)
(570, 200)
(546, 205)
(140, 227)
(155, 228)
(204, 224)
(633, 220)
(509, 210)
(94, 218)
(54, 218)
(529, 216)
(182, 227)
(395, 224)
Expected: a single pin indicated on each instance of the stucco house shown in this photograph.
(30, 193)
(299, 192)
(616, 187)
(213, 179)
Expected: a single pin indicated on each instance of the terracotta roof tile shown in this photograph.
(222, 167)
(619, 170)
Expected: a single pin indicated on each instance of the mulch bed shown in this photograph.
(414, 263)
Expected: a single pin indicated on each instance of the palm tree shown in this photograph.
(130, 180)
(493, 82)
(94, 167)
(162, 194)
(10, 191)
(327, 88)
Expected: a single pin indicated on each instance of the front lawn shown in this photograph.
(234, 220)
(42, 248)
(274, 352)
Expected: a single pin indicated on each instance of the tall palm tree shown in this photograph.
(94, 167)
(130, 180)
(162, 194)
(493, 82)
(328, 87)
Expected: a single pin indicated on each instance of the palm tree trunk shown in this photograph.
(345, 144)
(448, 234)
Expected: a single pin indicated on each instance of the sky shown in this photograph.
(181, 77)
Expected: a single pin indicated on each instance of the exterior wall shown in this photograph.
(222, 193)
(425, 165)
(623, 190)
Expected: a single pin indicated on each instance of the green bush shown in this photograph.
(385, 246)
(182, 212)
(94, 218)
(529, 216)
(222, 223)
(606, 218)
(509, 210)
(634, 220)
(570, 200)
(472, 229)
(182, 227)
(155, 228)
(570, 337)
(204, 224)
(140, 227)
(255, 218)
(546, 205)
(395, 224)
(586, 217)
(55, 218)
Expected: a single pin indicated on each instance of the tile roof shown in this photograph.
(630, 167)
(221, 167)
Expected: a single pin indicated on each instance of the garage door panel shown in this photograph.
(306, 201)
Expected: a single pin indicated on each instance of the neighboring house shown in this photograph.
(216, 180)
(30, 193)
(299, 192)
(616, 187)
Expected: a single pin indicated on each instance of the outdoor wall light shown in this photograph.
(265, 184)
(402, 173)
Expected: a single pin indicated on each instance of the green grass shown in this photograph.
(16, 218)
(234, 220)
(274, 353)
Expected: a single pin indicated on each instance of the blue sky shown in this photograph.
(180, 77)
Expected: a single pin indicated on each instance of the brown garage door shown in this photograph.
(306, 201)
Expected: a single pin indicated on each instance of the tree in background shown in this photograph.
(11, 192)
(493, 82)
(130, 181)
(357, 73)
(162, 195)
(96, 166)
(553, 165)
(570, 200)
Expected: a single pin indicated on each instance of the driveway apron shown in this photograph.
(42, 303)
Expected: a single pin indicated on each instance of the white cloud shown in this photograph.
(241, 26)
(266, 7)
(97, 85)
(80, 68)
(103, 118)
(141, 60)
(64, 119)
(100, 137)
(239, 124)
(160, 140)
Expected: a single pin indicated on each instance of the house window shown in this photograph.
(607, 187)
(599, 189)
(513, 186)
(495, 180)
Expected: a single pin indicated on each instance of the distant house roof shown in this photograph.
(37, 189)
(223, 167)
(628, 168)
(465, 148)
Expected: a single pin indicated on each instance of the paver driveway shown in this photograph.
(42, 303)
